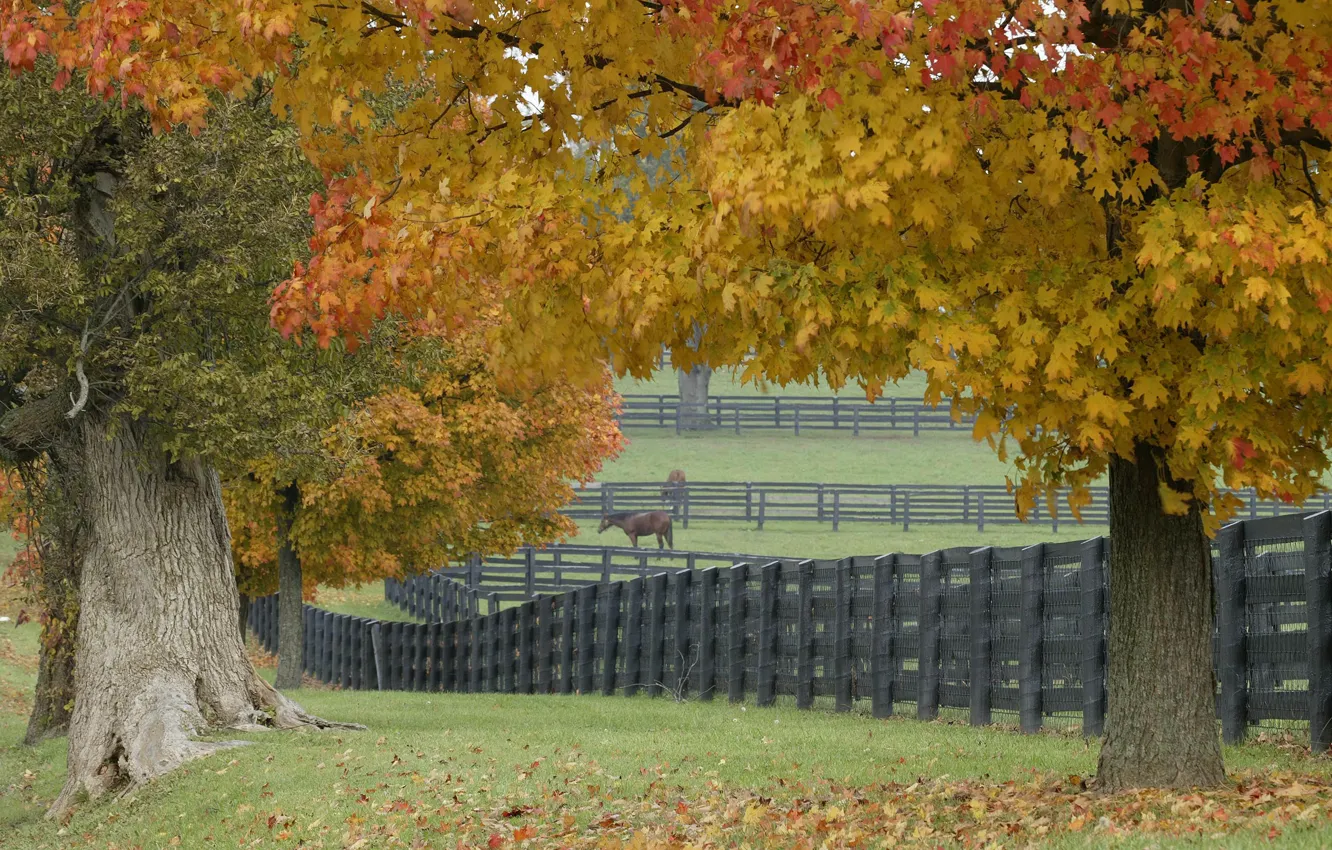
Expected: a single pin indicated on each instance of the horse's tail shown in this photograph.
(670, 541)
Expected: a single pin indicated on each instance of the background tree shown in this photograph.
(1101, 226)
(443, 465)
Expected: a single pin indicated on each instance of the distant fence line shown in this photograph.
(789, 413)
(924, 504)
(987, 631)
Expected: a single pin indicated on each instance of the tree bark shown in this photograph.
(1161, 715)
(159, 659)
(291, 634)
(693, 410)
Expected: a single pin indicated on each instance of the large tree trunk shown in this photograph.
(1161, 717)
(159, 659)
(693, 411)
(291, 635)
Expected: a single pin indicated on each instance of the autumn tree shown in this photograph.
(440, 463)
(1100, 225)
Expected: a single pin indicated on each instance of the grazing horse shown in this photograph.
(637, 524)
(674, 482)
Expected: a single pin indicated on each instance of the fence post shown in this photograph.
(477, 649)
(837, 509)
(377, 652)
(883, 667)
(749, 501)
(1091, 581)
(767, 660)
(738, 575)
(568, 613)
(681, 581)
(394, 640)
(508, 625)
(906, 511)
(842, 636)
(737, 421)
(448, 637)
(797, 422)
(526, 618)
(461, 655)
(354, 653)
(529, 558)
(684, 506)
(610, 637)
(805, 628)
(545, 641)
(931, 599)
(656, 632)
(855, 422)
(820, 492)
(633, 639)
(763, 507)
(605, 566)
(980, 511)
(421, 657)
(915, 423)
(1318, 596)
(707, 633)
(981, 635)
(1031, 643)
(1231, 603)
(587, 624)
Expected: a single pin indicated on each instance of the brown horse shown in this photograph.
(637, 524)
(674, 482)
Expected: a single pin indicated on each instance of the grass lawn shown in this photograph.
(364, 601)
(933, 458)
(815, 540)
(438, 770)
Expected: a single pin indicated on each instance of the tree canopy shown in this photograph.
(1101, 225)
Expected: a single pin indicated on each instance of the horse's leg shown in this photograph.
(661, 540)
(633, 539)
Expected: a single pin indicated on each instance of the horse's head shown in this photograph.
(605, 523)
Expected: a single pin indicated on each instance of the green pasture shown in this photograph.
(818, 540)
(445, 758)
(935, 457)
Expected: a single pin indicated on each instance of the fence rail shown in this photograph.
(982, 631)
(789, 413)
(760, 503)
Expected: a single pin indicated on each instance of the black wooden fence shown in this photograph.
(761, 502)
(790, 413)
(989, 632)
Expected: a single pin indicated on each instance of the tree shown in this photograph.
(1100, 225)
(426, 472)
(136, 357)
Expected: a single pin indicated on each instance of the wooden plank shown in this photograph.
(610, 636)
(707, 633)
(656, 632)
(633, 637)
(767, 636)
(738, 576)
(805, 638)
(883, 665)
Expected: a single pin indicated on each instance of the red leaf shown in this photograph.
(496, 840)
(830, 98)
(1243, 450)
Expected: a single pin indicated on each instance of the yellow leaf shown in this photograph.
(1172, 501)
